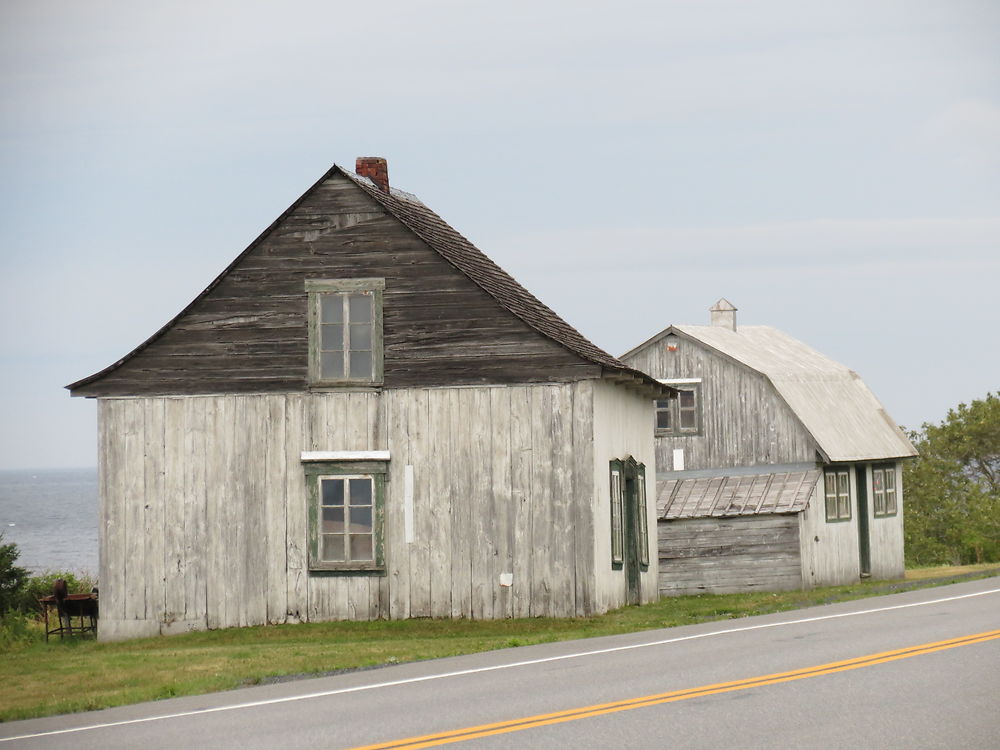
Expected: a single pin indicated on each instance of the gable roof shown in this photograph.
(460, 253)
(727, 496)
(834, 405)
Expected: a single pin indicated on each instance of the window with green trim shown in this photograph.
(640, 478)
(346, 511)
(837, 490)
(345, 331)
(617, 515)
(884, 490)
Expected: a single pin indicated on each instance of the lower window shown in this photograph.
(837, 486)
(346, 501)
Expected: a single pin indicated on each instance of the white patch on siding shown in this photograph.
(678, 459)
(408, 503)
(506, 579)
(345, 455)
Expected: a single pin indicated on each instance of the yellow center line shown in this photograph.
(585, 712)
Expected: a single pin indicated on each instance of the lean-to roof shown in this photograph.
(727, 496)
(843, 416)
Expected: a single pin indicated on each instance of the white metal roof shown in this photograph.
(845, 419)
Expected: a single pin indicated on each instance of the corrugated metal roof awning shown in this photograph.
(745, 495)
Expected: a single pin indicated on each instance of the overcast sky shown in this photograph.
(832, 168)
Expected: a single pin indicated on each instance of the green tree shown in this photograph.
(12, 577)
(953, 488)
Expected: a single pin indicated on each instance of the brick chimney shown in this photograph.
(723, 314)
(376, 169)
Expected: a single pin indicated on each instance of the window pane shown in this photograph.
(361, 308)
(331, 308)
(333, 491)
(361, 336)
(361, 364)
(361, 520)
(333, 520)
(331, 337)
(362, 547)
(361, 492)
(333, 547)
(331, 364)
(687, 399)
(663, 420)
(687, 419)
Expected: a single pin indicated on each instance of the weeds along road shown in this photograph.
(914, 670)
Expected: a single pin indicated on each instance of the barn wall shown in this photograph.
(887, 533)
(249, 333)
(830, 552)
(729, 555)
(203, 506)
(622, 427)
(744, 421)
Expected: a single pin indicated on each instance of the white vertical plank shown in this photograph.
(583, 492)
(113, 512)
(196, 442)
(482, 508)
(397, 556)
(563, 518)
(252, 468)
(459, 408)
(503, 510)
(522, 499)
(296, 520)
(421, 456)
(134, 469)
(439, 500)
(175, 561)
(542, 531)
(275, 529)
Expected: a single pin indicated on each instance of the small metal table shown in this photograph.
(82, 607)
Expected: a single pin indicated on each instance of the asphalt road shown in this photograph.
(914, 670)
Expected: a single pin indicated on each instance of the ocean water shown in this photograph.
(51, 514)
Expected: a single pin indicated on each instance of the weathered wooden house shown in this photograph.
(777, 468)
(364, 417)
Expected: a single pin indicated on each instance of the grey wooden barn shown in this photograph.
(777, 468)
(364, 417)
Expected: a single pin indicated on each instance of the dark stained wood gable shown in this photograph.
(248, 331)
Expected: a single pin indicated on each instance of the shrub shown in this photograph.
(41, 585)
(12, 577)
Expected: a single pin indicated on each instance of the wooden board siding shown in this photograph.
(830, 553)
(729, 555)
(887, 533)
(249, 333)
(203, 506)
(744, 421)
(622, 427)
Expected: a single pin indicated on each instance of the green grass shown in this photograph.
(63, 676)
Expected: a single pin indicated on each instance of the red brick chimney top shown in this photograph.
(376, 169)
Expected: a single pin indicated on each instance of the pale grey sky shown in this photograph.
(831, 168)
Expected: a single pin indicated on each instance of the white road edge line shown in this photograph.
(477, 670)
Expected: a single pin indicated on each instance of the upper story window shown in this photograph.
(682, 415)
(884, 489)
(345, 331)
(837, 491)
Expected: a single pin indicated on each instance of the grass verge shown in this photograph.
(64, 676)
